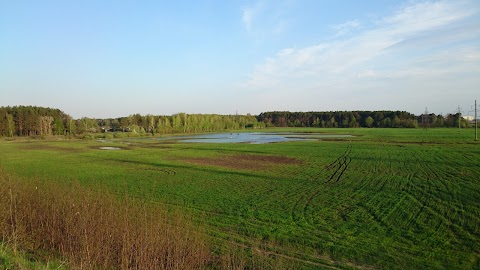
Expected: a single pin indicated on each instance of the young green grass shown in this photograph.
(385, 198)
(10, 259)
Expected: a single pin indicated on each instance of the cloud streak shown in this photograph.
(265, 17)
(346, 27)
(247, 18)
(250, 14)
(421, 42)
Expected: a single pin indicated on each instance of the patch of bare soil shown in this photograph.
(48, 147)
(245, 162)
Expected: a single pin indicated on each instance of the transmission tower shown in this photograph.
(459, 112)
(426, 119)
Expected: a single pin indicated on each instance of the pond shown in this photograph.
(254, 137)
(109, 148)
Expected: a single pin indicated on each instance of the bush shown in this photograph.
(119, 135)
(96, 230)
(88, 137)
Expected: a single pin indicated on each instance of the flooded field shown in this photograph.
(254, 137)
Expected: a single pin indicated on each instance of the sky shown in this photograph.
(114, 58)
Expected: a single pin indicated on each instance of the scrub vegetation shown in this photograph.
(43, 122)
(91, 229)
(382, 199)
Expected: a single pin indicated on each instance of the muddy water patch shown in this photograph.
(109, 148)
(245, 162)
(42, 146)
(254, 137)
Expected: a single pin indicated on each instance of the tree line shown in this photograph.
(179, 123)
(40, 121)
(354, 119)
(33, 121)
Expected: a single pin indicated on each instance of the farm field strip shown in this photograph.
(395, 202)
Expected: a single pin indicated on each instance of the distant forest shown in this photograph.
(355, 119)
(40, 121)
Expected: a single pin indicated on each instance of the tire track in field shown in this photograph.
(340, 165)
(427, 194)
(426, 213)
(453, 207)
(420, 190)
(314, 261)
(382, 207)
(374, 180)
(426, 169)
(165, 171)
(332, 174)
(323, 262)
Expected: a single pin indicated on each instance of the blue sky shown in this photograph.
(115, 58)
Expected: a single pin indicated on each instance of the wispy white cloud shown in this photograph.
(413, 41)
(247, 18)
(250, 14)
(265, 17)
(426, 16)
(346, 27)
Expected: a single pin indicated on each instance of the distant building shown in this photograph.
(106, 129)
(471, 119)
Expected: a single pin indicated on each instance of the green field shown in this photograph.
(383, 199)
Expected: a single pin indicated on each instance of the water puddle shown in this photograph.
(109, 148)
(254, 137)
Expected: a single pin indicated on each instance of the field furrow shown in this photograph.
(385, 199)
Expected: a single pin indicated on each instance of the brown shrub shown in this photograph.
(93, 230)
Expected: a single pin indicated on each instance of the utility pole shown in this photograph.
(476, 121)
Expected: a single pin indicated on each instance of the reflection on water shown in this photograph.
(253, 137)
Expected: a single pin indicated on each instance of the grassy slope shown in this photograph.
(389, 198)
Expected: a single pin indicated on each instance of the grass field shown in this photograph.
(383, 199)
